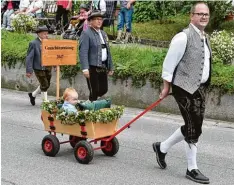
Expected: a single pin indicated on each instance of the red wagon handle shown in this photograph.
(136, 118)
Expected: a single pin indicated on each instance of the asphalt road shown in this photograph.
(24, 163)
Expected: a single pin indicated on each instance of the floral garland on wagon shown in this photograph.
(103, 115)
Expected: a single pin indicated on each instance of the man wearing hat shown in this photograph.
(95, 56)
(33, 63)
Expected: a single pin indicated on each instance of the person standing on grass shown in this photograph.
(187, 70)
(125, 18)
(10, 7)
(64, 6)
(33, 64)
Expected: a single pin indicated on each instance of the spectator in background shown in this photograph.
(98, 5)
(81, 19)
(64, 6)
(23, 6)
(10, 6)
(125, 17)
(35, 9)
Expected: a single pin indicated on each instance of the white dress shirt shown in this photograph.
(176, 52)
(104, 51)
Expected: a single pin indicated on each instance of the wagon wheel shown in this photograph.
(50, 145)
(112, 147)
(74, 139)
(83, 152)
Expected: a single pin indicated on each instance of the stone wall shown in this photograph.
(122, 93)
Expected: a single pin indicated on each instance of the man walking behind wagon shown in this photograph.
(187, 69)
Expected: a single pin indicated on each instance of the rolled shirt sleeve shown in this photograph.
(174, 55)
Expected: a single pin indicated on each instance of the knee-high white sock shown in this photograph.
(44, 96)
(176, 137)
(36, 92)
(191, 153)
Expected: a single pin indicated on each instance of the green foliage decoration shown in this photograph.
(51, 106)
(103, 115)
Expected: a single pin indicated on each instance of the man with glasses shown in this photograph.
(95, 56)
(187, 70)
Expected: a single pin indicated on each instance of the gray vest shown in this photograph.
(188, 73)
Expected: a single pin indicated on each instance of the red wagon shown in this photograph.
(81, 136)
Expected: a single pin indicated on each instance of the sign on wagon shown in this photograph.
(59, 52)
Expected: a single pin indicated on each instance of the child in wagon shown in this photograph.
(70, 97)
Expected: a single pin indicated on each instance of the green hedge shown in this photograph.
(138, 62)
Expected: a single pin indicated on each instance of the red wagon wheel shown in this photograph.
(74, 139)
(50, 145)
(83, 152)
(112, 147)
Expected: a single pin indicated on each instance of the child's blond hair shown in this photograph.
(68, 92)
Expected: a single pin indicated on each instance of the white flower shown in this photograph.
(222, 44)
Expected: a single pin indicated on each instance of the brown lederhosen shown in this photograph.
(44, 77)
(97, 83)
(192, 108)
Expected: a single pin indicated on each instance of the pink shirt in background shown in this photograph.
(63, 3)
(86, 25)
(84, 16)
(10, 5)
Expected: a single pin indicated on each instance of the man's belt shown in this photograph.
(103, 46)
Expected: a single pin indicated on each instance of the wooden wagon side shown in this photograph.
(89, 130)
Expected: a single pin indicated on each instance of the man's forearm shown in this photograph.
(166, 84)
(33, 10)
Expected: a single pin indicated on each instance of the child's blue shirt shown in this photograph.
(69, 108)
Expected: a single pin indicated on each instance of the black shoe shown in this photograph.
(159, 155)
(196, 176)
(32, 99)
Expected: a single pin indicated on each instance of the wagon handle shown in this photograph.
(136, 118)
